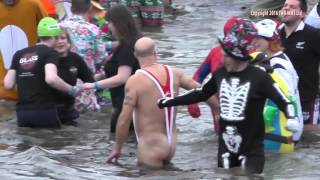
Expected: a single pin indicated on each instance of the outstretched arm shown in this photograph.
(124, 72)
(124, 120)
(186, 82)
(193, 96)
(53, 80)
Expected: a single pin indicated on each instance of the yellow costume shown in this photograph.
(275, 120)
(18, 29)
(279, 125)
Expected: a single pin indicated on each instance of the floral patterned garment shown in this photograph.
(237, 43)
(87, 42)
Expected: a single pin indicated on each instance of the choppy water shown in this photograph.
(80, 152)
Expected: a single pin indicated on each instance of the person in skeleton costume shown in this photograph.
(242, 90)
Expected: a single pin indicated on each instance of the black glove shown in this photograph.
(164, 102)
(191, 97)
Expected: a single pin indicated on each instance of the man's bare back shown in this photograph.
(155, 128)
(155, 141)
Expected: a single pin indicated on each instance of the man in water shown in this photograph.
(155, 128)
(34, 72)
(301, 43)
(242, 91)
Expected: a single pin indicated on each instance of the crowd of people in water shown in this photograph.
(79, 55)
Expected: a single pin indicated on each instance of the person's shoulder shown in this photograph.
(24, 50)
(125, 49)
(277, 58)
(259, 70)
(46, 52)
(312, 34)
(92, 28)
(309, 30)
(308, 27)
(20, 52)
(74, 55)
(46, 49)
(134, 80)
(34, 3)
(42, 46)
(75, 58)
(126, 45)
(216, 49)
(39, 49)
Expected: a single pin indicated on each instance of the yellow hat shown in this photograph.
(97, 5)
(258, 57)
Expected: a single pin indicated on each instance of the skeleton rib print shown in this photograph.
(233, 99)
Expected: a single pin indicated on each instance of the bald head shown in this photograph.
(144, 47)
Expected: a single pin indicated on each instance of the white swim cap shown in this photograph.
(267, 28)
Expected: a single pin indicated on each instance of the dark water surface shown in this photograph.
(79, 152)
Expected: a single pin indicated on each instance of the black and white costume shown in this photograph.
(242, 97)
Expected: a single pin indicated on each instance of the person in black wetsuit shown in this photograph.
(242, 90)
(71, 67)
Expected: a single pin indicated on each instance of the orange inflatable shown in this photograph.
(18, 29)
(49, 7)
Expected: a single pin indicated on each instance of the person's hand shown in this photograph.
(87, 86)
(162, 102)
(115, 44)
(115, 154)
(292, 124)
(194, 110)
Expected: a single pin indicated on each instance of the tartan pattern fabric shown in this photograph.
(147, 12)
